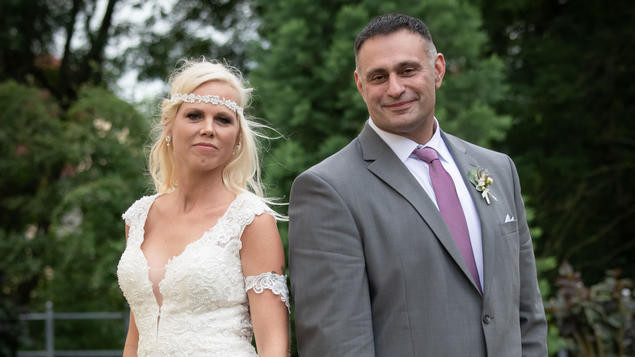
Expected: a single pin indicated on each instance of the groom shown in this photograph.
(393, 250)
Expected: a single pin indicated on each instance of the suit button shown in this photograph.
(487, 319)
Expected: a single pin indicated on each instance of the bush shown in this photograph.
(596, 320)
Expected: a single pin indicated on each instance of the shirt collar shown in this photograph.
(403, 147)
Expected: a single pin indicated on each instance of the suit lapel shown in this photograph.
(486, 213)
(387, 167)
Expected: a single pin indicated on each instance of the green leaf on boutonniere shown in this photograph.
(481, 180)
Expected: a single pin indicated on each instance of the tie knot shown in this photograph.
(426, 154)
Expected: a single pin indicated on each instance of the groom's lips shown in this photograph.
(399, 105)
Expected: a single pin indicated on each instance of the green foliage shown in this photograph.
(32, 29)
(26, 27)
(595, 321)
(571, 75)
(67, 177)
(28, 161)
(63, 45)
(106, 140)
(570, 66)
(544, 266)
(214, 29)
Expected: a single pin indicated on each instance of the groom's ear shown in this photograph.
(439, 68)
(358, 83)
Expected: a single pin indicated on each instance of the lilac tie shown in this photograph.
(450, 207)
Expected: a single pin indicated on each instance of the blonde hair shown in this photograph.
(242, 173)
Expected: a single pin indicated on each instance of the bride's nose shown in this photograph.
(208, 127)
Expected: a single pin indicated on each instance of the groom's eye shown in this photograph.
(377, 77)
(407, 72)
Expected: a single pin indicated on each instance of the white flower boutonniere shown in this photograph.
(482, 182)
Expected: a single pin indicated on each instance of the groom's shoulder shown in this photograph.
(476, 150)
(498, 164)
(343, 163)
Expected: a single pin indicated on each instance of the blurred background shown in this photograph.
(550, 82)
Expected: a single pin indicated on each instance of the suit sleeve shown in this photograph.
(533, 324)
(328, 273)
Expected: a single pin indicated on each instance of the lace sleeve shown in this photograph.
(138, 210)
(273, 281)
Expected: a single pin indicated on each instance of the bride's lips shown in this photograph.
(205, 146)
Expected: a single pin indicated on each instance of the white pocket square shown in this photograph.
(509, 218)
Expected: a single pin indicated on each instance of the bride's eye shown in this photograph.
(193, 116)
(224, 119)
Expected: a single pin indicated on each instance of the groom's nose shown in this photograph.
(395, 87)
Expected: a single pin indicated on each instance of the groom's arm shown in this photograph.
(328, 274)
(533, 324)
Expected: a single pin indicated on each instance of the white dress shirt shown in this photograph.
(403, 148)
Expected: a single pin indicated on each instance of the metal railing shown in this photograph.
(49, 317)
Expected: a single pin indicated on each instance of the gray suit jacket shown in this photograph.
(375, 272)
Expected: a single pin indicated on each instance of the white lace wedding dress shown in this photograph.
(204, 311)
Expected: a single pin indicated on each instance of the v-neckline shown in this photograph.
(175, 257)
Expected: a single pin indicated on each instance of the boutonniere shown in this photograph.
(482, 182)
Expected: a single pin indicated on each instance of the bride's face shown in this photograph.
(204, 135)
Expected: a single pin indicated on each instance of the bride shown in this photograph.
(203, 266)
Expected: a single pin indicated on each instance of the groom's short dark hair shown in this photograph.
(389, 23)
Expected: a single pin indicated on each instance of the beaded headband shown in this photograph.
(211, 99)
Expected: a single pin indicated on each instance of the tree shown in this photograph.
(26, 160)
(217, 29)
(97, 41)
(28, 37)
(67, 176)
(571, 74)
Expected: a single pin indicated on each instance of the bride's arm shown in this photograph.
(262, 253)
(132, 338)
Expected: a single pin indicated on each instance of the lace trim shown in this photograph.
(246, 207)
(273, 281)
(138, 210)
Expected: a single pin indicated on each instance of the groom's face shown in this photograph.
(397, 79)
